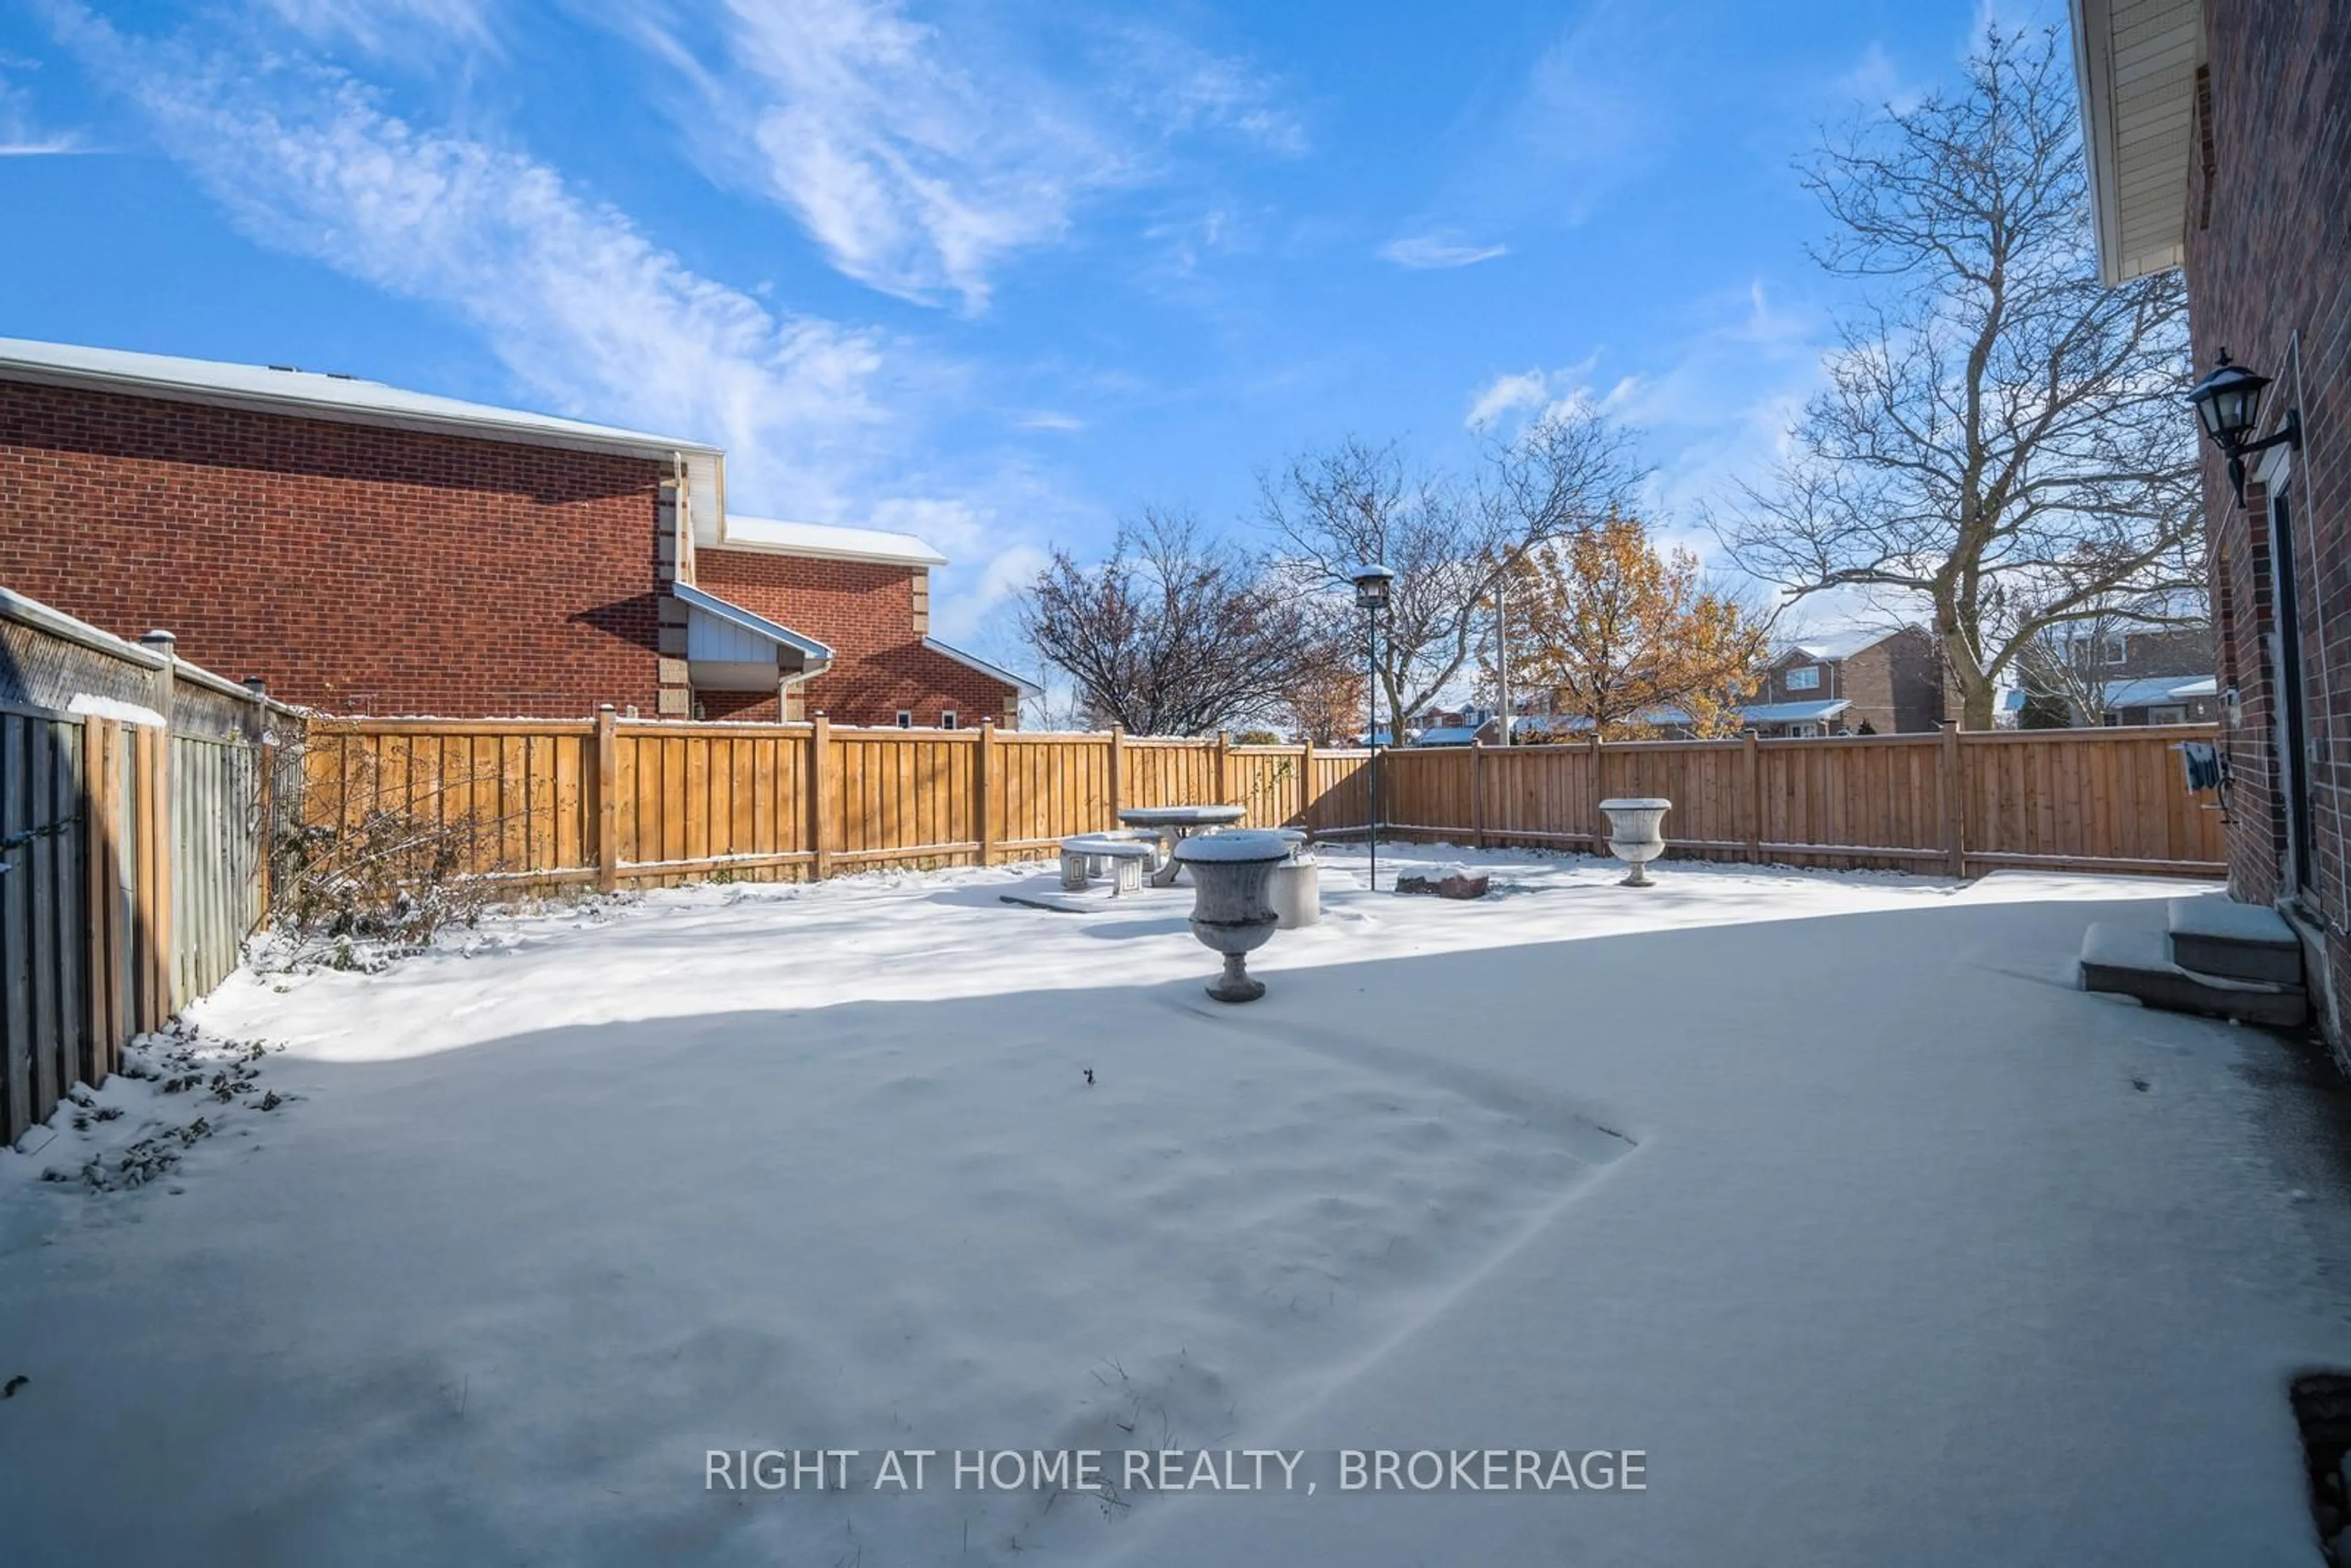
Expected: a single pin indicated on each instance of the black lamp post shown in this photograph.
(2228, 404)
(1372, 593)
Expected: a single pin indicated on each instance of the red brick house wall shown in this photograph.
(864, 611)
(2269, 278)
(356, 567)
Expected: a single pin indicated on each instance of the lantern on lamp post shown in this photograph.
(2228, 404)
(1372, 583)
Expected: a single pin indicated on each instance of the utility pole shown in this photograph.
(1502, 649)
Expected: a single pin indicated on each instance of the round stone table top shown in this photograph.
(1181, 816)
(1248, 844)
(1637, 803)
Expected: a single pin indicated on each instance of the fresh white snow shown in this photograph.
(1830, 1195)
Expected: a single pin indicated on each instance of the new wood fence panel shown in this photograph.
(2107, 800)
(1268, 781)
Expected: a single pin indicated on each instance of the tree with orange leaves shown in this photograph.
(1629, 638)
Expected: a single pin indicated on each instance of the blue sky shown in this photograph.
(997, 272)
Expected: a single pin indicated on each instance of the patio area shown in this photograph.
(1829, 1193)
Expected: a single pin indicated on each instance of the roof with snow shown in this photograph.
(829, 541)
(1448, 734)
(2151, 690)
(282, 389)
(1577, 724)
(1830, 645)
(1793, 713)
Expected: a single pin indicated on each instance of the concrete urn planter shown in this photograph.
(1636, 834)
(1231, 913)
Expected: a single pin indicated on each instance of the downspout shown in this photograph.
(795, 678)
(684, 571)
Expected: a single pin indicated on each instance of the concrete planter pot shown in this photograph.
(1231, 913)
(1636, 834)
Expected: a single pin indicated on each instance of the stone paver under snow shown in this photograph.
(1830, 1195)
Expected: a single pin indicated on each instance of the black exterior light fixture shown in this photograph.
(1372, 582)
(2228, 404)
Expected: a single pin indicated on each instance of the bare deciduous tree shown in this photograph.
(1336, 510)
(1174, 633)
(2002, 437)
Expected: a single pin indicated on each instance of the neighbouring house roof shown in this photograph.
(1577, 724)
(1829, 646)
(308, 394)
(733, 615)
(1793, 713)
(2134, 62)
(1027, 689)
(829, 541)
(1448, 734)
(2153, 690)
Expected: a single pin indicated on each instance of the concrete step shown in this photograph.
(2214, 934)
(2136, 961)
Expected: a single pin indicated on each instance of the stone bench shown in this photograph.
(1127, 858)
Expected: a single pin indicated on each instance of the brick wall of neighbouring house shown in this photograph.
(2269, 275)
(863, 610)
(355, 568)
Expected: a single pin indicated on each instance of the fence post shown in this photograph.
(1951, 778)
(820, 742)
(163, 972)
(97, 892)
(608, 803)
(1306, 782)
(1117, 771)
(984, 789)
(1477, 792)
(1224, 771)
(1754, 801)
(1596, 774)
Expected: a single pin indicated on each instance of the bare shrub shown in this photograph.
(374, 862)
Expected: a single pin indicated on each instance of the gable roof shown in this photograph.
(1831, 646)
(825, 540)
(1027, 689)
(744, 620)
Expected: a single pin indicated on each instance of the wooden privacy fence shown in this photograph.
(135, 798)
(2073, 800)
(624, 802)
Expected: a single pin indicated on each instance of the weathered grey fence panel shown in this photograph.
(216, 883)
(42, 1007)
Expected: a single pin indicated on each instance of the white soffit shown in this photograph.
(2135, 61)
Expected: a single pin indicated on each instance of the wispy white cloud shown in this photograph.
(1050, 419)
(22, 135)
(1422, 252)
(921, 161)
(389, 27)
(571, 296)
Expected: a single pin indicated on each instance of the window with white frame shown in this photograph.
(905, 718)
(946, 719)
(2117, 649)
(1804, 678)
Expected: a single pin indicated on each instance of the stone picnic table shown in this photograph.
(1173, 823)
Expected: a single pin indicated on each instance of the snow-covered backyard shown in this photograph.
(1828, 1193)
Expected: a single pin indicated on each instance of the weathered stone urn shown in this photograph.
(1636, 834)
(1231, 913)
